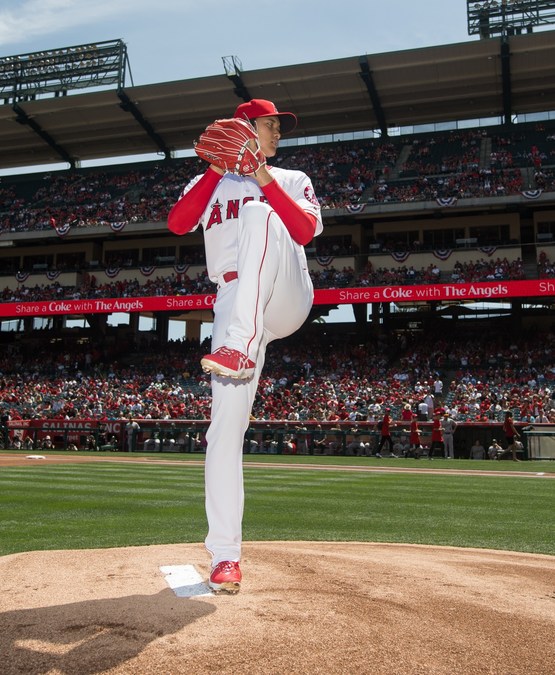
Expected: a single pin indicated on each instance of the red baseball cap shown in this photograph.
(259, 107)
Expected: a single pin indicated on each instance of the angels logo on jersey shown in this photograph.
(230, 211)
(215, 214)
(310, 196)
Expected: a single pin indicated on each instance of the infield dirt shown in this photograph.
(304, 607)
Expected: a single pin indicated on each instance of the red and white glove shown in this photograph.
(232, 145)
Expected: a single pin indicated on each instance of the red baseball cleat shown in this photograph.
(226, 578)
(228, 363)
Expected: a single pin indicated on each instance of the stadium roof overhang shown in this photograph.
(468, 80)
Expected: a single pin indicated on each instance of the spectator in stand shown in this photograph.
(430, 401)
(438, 388)
(423, 411)
(406, 413)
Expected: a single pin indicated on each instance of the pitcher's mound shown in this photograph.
(303, 608)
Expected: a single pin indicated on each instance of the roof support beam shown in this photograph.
(128, 105)
(367, 78)
(240, 88)
(23, 118)
(506, 80)
(233, 68)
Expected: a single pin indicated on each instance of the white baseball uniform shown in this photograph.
(270, 298)
(449, 426)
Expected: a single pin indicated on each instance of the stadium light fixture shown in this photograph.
(56, 71)
(488, 18)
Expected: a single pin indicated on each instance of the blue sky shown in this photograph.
(180, 39)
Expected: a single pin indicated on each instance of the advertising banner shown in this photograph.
(483, 291)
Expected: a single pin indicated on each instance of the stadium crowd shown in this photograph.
(474, 376)
(444, 165)
(176, 283)
(546, 268)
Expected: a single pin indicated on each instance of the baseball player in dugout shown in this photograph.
(256, 220)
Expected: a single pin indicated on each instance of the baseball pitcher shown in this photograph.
(256, 220)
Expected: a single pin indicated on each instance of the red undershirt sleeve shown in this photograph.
(187, 212)
(300, 224)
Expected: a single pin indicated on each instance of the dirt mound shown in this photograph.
(303, 608)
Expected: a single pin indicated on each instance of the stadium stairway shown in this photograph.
(400, 163)
(485, 152)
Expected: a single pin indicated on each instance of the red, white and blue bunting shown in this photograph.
(442, 253)
(400, 256)
(531, 194)
(112, 272)
(446, 201)
(488, 250)
(147, 270)
(61, 230)
(324, 260)
(21, 277)
(51, 275)
(181, 269)
(355, 208)
(118, 226)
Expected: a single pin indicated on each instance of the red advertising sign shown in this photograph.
(483, 291)
(497, 290)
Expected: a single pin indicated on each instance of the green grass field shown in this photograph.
(97, 505)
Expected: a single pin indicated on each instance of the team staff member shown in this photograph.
(255, 230)
(511, 434)
(437, 441)
(385, 433)
(415, 442)
(449, 427)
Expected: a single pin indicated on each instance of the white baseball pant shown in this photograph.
(271, 299)
(449, 446)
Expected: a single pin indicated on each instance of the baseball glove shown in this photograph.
(232, 145)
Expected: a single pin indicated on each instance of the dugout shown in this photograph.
(263, 437)
(540, 442)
